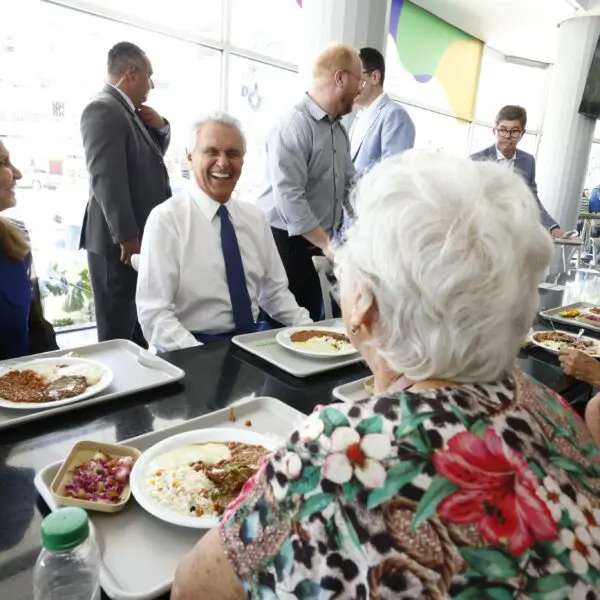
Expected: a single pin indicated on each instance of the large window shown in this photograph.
(439, 132)
(502, 82)
(199, 17)
(592, 176)
(43, 94)
(269, 27)
(258, 94)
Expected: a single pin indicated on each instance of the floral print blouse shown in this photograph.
(470, 492)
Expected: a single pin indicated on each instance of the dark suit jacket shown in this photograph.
(128, 177)
(525, 166)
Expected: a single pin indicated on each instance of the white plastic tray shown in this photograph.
(553, 314)
(351, 392)
(139, 552)
(134, 369)
(263, 345)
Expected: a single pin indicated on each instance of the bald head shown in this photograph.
(337, 78)
(336, 57)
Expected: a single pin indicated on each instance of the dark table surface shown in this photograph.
(216, 375)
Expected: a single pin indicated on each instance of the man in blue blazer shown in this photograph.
(509, 130)
(381, 127)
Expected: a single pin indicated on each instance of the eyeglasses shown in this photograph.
(503, 132)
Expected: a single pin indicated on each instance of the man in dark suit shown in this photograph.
(509, 130)
(124, 143)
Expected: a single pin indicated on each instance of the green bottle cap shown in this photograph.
(65, 529)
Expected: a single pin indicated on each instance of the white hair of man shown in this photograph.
(452, 252)
(220, 118)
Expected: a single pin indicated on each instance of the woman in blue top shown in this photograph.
(15, 264)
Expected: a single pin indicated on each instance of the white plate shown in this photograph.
(596, 346)
(145, 464)
(283, 339)
(34, 365)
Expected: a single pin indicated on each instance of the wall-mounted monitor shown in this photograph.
(590, 101)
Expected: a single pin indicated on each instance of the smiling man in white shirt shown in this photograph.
(207, 261)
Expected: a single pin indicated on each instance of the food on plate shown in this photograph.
(202, 479)
(232, 416)
(595, 310)
(102, 479)
(570, 313)
(248, 423)
(48, 383)
(557, 341)
(321, 341)
(593, 318)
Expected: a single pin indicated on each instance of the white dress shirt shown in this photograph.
(361, 124)
(127, 99)
(509, 163)
(182, 285)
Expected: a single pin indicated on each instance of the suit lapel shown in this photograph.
(136, 119)
(374, 116)
(518, 161)
(492, 153)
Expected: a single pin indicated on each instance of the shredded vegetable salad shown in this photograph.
(102, 479)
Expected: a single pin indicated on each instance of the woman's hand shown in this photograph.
(580, 365)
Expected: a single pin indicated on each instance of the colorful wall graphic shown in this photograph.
(442, 61)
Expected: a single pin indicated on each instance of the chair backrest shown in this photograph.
(324, 267)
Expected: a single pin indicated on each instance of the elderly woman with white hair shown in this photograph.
(461, 477)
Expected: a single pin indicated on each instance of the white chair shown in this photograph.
(569, 246)
(329, 289)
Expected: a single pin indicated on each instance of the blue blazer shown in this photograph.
(391, 131)
(525, 167)
(15, 304)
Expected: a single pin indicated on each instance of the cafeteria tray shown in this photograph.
(263, 345)
(135, 370)
(553, 315)
(140, 552)
(352, 392)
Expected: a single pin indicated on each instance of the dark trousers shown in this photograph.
(113, 285)
(296, 254)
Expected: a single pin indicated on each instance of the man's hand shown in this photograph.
(580, 365)
(557, 232)
(128, 248)
(151, 118)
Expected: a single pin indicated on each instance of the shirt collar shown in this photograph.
(125, 96)
(317, 113)
(206, 204)
(367, 111)
(500, 156)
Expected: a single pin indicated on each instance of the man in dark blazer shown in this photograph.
(509, 130)
(124, 143)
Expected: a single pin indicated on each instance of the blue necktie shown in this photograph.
(236, 278)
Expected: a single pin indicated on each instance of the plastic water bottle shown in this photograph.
(68, 567)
